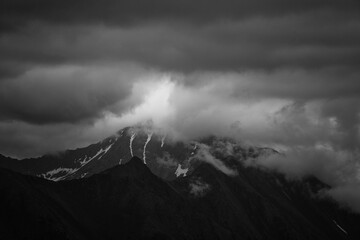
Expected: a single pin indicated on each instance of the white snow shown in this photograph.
(179, 171)
(105, 150)
(64, 172)
(84, 161)
(193, 152)
(100, 153)
(147, 141)
(50, 174)
(131, 141)
(343, 230)
(163, 140)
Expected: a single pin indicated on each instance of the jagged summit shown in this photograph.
(134, 168)
(135, 160)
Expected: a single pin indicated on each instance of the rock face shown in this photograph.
(160, 154)
(164, 157)
(129, 202)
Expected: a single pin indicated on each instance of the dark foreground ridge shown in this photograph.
(129, 202)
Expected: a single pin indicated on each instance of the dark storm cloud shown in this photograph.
(51, 67)
(182, 35)
(20, 139)
(302, 41)
(15, 12)
(296, 84)
(66, 94)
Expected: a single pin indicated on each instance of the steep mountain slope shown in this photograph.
(129, 202)
(126, 202)
(200, 190)
(264, 205)
(165, 158)
(28, 210)
(112, 151)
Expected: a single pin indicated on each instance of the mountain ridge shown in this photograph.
(107, 179)
(129, 201)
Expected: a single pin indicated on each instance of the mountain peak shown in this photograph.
(135, 167)
(135, 160)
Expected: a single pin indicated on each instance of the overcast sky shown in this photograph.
(279, 73)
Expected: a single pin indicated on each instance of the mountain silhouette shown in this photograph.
(129, 202)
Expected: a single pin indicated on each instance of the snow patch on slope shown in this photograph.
(180, 171)
(99, 154)
(198, 188)
(58, 173)
(194, 150)
(61, 173)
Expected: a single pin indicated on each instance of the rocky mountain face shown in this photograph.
(166, 158)
(200, 190)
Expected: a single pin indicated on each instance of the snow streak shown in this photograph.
(53, 174)
(343, 230)
(131, 141)
(163, 140)
(147, 141)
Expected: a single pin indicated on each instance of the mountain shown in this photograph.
(112, 151)
(197, 190)
(129, 202)
(165, 158)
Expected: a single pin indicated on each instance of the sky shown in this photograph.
(283, 74)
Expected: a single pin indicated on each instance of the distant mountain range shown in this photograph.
(165, 193)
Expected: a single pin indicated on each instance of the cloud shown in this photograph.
(213, 107)
(225, 105)
(127, 12)
(203, 154)
(167, 160)
(67, 94)
(338, 168)
(348, 196)
(232, 45)
(329, 165)
(19, 139)
(199, 188)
